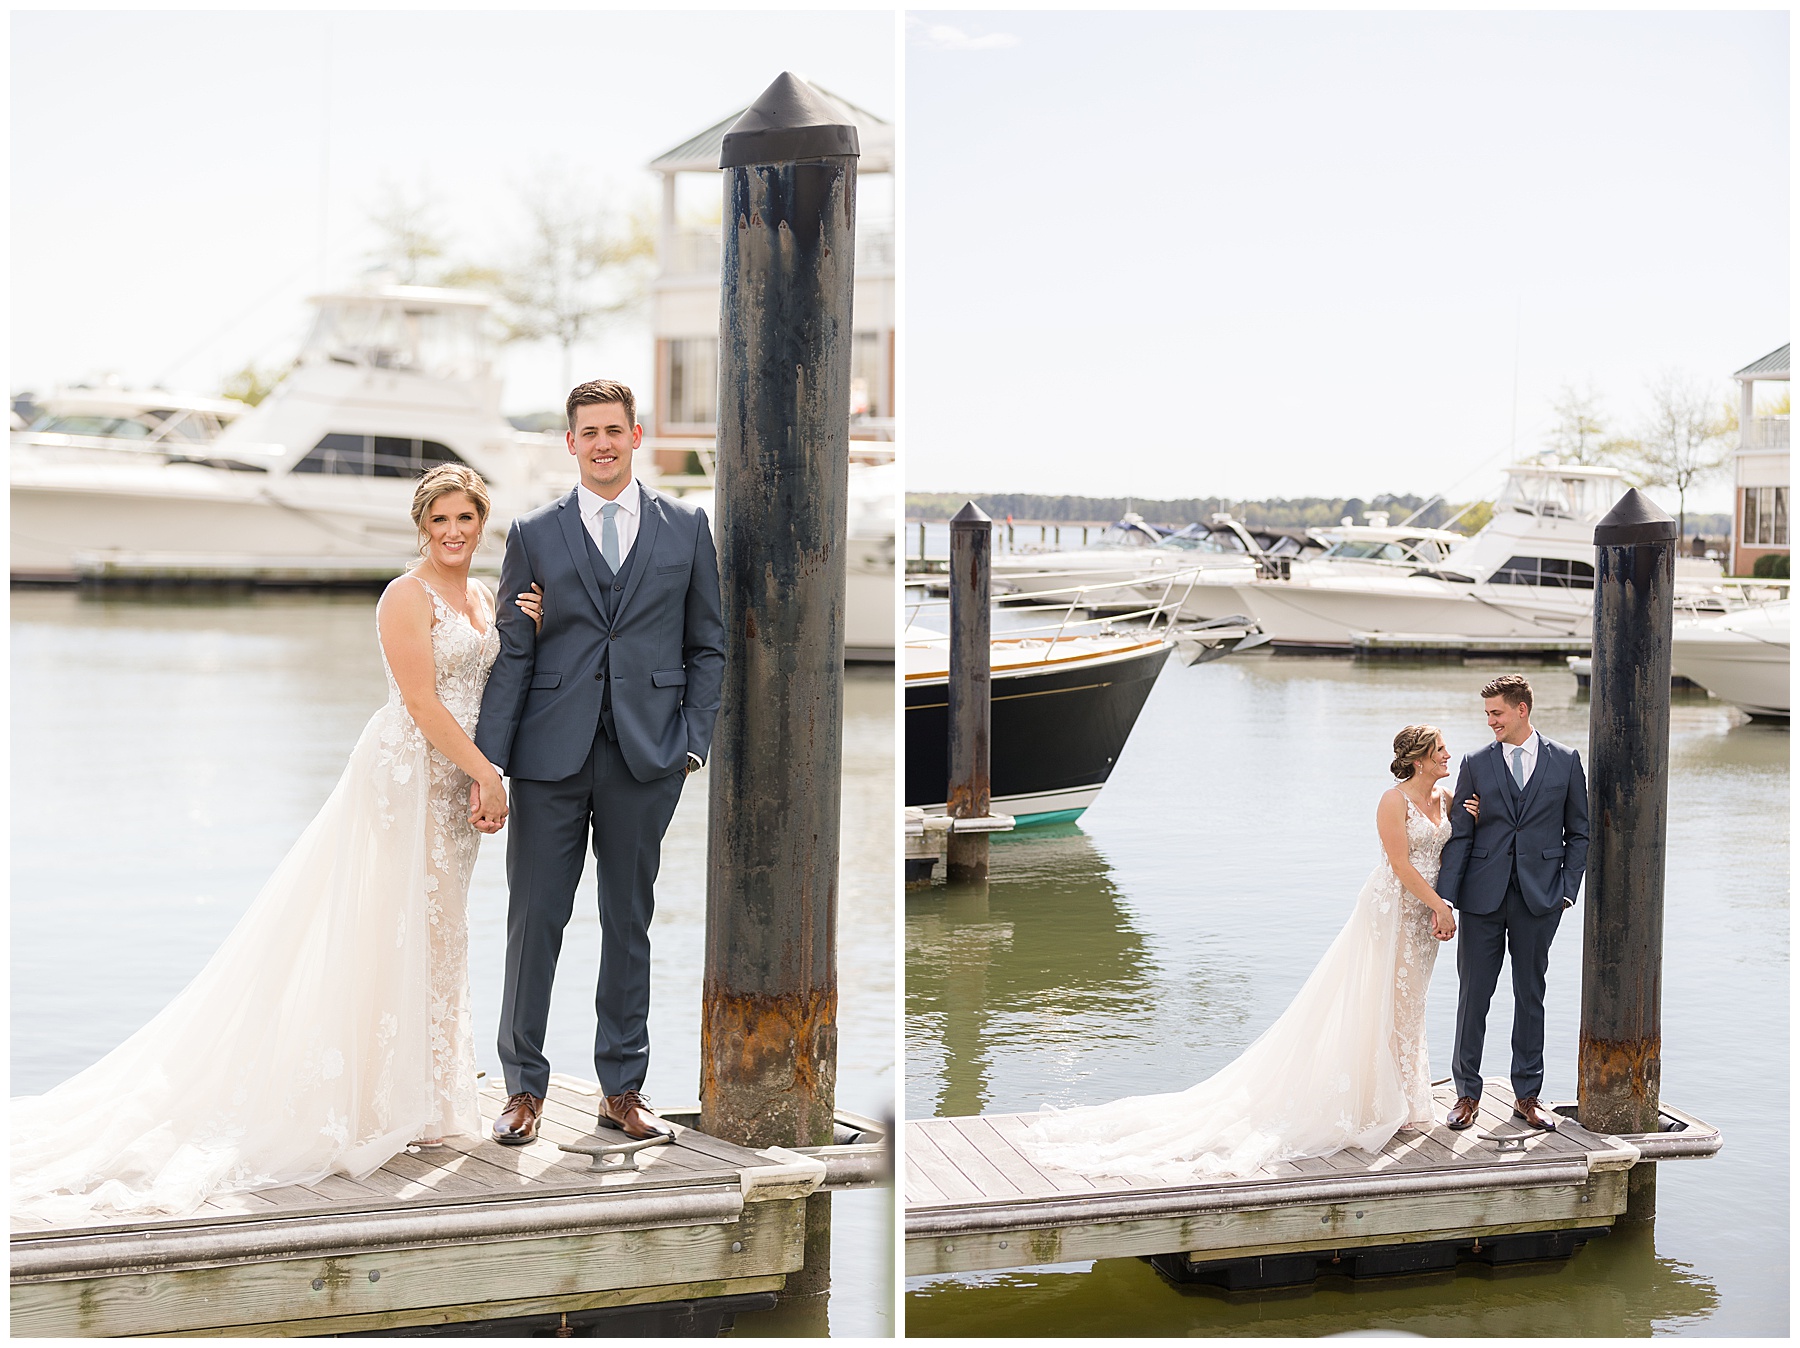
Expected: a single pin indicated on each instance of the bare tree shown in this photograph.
(1682, 440)
(581, 264)
(1575, 436)
(411, 238)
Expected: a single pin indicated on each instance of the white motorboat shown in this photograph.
(1740, 658)
(1131, 564)
(315, 483)
(87, 423)
(1528, 573)
(1348, 549)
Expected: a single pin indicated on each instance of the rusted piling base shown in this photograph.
(966, 859)
(1640, 1194)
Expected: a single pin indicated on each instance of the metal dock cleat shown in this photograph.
(612, 1155)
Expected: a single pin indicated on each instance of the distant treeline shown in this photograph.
(1300, 512)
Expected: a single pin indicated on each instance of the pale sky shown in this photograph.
(169, 169)
(1181, 254)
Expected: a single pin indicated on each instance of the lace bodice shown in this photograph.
(461, 657)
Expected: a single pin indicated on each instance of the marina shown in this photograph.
(1142, 948)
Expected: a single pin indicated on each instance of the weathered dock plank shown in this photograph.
(986, 1204)
(465, 1231)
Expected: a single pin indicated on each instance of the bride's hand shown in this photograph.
(1473, 806)
(1443, 923)
(532, 602)
(487, 806)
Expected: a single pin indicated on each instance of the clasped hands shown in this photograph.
(487, 807)
(1443, 925)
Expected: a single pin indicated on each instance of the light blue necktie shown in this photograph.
(1519, 765)
(609, 535)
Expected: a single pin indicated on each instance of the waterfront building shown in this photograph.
(1760, 526)
(684, 305)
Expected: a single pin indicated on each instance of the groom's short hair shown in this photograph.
(602, 391)
(1513, 687)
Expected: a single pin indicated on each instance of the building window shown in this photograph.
(1765, 517)
(374, 456)
(693, 381)
(868, 376)
(1554, 571)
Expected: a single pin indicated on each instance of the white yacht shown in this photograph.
(1131, 563)
(1347, 549)
(1740, 658)
(93, 423)
(315, 483)
(1528, 573)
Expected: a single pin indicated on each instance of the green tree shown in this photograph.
(411, 242)
(251, 384)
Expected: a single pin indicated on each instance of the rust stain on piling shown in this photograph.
(1621, 1083)
(769, 1061)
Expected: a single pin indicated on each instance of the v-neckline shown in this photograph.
(1435, 823)
(481, 634)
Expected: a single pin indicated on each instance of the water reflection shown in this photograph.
(1618, 1286)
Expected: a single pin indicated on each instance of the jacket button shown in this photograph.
(618, 587)
(615, 636)
(598, 676)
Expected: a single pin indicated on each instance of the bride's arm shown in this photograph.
(404, 621)
(1390, 826)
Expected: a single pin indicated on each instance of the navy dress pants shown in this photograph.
(1481, 940)
(549, 828)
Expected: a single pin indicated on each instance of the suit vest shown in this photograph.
(612, 588)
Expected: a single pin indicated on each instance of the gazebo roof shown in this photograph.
(701, 153)
(1772, 366)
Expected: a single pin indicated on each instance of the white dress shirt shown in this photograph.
(630, 503)
(1531, 755)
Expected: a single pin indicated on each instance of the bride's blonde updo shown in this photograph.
(1410, 745)
(441, 481)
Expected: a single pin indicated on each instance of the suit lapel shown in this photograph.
(646, 540)
(568, 515)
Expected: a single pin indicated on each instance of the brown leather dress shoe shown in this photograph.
(1535, 1114)
(629, 1112)
(518, 1122)
(1462, 1113)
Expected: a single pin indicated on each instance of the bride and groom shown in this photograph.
(1346, 1065)
(332, 1028)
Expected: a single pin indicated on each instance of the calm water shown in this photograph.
(166, 755)
(1143, 947)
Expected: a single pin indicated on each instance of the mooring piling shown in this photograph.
(769, 1022)
(970, 711)
(1620, 1074)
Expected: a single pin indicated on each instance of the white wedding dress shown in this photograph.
(1344, 1066)
(330, 1029)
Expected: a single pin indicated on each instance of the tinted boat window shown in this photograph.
(374, 456)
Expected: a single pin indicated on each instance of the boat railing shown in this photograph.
(1065, 608)
(1729, 594)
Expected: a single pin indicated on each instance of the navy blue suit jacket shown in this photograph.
(1541, 836)
(666, 660)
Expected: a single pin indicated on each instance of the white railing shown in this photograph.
(1764, 433)
(1060, 620)
(696, 252)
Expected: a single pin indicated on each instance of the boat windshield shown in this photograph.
(116, 428)
(1411, 551)
(1558, 493)
(393, 335)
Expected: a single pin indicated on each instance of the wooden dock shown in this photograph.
(469, 1232)
(974, 1199)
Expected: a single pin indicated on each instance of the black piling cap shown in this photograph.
(791, 120)
(971, 515)
(1635, 519)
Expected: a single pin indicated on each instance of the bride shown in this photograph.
(331, 1029)
(1345, 1065)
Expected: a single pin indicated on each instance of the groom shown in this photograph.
(1511, 875)
(597, 716)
